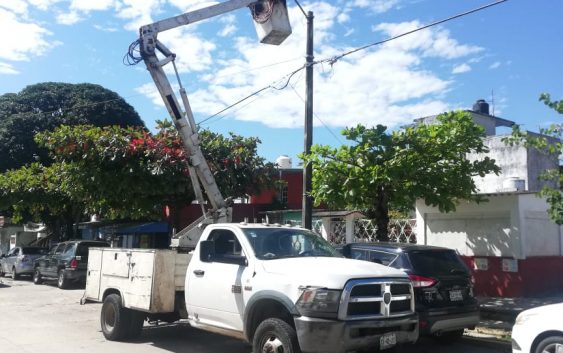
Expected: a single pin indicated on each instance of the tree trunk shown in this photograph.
(381, 215)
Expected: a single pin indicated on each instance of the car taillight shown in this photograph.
(422, 282)
(73, 263)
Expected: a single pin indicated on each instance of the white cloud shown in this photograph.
(230, 25)
(377, 6)
(89, 5)
(30, 41)
(191, 5)
(7, 69)
(138, 12)
(15, 6)
(435, 42)
(495, 65)
(69, 18)
(192, 52)
(460, 69)
(43, 4)
(106, 28)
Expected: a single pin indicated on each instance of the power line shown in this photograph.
(334, 59)
(256, 68)
(289, 76)
(316, 116)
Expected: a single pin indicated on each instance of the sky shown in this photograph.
(507, 54)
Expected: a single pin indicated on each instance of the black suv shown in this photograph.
(66, 262)
(442, 284)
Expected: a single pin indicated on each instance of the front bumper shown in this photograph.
(332, 336)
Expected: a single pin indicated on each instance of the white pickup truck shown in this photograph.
(280, 288)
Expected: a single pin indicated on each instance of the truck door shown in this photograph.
(216, 289)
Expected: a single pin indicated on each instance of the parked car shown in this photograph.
(66, 262)
(539, 330)
(442, 284)
(19, 260)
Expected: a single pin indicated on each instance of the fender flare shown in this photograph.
(266, 295)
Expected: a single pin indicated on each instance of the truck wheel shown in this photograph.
(15, 274)
(115, 319)
(275, 336)
(62, 282)
(551, 344)
(37, 279)
(136, 324)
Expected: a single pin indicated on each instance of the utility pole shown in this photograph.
(307, 213)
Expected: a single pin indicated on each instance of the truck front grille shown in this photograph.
(376, 298)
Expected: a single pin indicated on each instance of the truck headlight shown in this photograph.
(319, 302)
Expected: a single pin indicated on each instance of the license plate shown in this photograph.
(455, 295)
(387, 341)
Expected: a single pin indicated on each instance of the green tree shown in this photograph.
(548, 142)
(44, 106)
(383, 170)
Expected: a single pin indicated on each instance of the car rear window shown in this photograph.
(83, 248)
(437, 262)
(34, 251)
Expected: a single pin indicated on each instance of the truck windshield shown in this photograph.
(275, 243)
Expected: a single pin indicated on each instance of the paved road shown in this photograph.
(39, 319)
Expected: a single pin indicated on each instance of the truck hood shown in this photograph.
(330, 272)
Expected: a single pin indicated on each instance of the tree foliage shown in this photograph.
(381, 170)
(125, 173)
(549, 141)
(44, 106)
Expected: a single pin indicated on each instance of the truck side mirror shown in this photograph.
(207, 250)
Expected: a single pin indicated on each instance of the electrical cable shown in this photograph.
(318, 118)
(290, 75)
(334, 59)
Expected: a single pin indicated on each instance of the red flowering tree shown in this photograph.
(131, 173)
(124, 173)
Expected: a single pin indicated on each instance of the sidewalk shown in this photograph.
(498, 315)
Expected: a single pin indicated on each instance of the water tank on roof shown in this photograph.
(481, 106)
(284, 162)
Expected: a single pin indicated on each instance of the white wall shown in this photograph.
(509, 225)
(542, 236)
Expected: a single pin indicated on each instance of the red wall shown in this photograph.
(294, 180)
(536, 276)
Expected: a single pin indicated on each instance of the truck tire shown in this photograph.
(136, 323)
(549, 344)
(37, 279)
(115, 320)
(276, 336)
(62, 282)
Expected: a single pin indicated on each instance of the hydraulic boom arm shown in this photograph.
(183, 119)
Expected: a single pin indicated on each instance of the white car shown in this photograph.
(539, 330)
